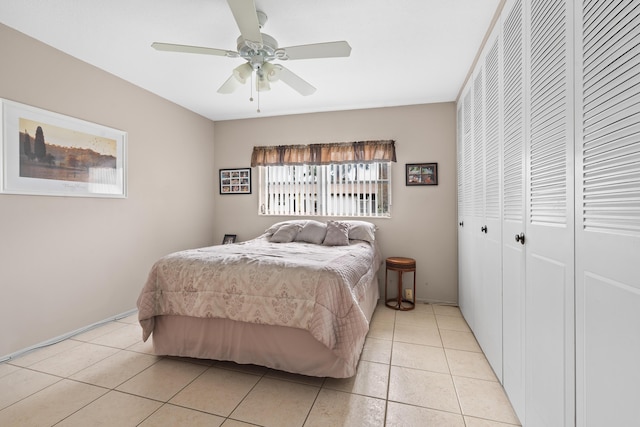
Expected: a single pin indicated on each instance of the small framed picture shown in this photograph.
(235, 181)
(422, 174)
(229, 239)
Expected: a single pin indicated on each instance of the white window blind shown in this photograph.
(337, 189)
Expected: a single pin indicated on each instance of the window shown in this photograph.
(334, 189)
(335, 179)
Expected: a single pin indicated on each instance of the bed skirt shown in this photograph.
(279, 347)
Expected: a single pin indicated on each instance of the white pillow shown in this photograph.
(277, 225)
(312, 232)
(285, 234)
(362, 230)
(337, 234)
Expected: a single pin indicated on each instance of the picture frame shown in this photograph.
(50, 154)
(229, 239)
(235, 181)
(421, 174)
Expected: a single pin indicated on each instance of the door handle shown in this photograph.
(520, 238)
(484, 229)
(461, 223)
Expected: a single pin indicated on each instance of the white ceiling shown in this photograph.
(403, 52)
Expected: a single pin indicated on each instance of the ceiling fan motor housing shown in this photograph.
(257, 54)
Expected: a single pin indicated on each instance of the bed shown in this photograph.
(297, 298)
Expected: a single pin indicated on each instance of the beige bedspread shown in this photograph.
(300, 285)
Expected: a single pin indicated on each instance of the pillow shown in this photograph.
(362, 230)
(337, 234)
(285, 234)
(312, 232)
(277, 225)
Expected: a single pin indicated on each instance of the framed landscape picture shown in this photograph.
(235, 181)
(422, 174)
(46, 153)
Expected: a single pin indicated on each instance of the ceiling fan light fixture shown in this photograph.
(272, 71)
(243, 72)
(262, 83)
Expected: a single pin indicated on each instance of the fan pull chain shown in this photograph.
(258, 110)
(251, 88)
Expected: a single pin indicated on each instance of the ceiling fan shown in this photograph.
(260, 50)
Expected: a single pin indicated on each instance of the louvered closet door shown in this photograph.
(462, 264)
(466, 260)
(476, 217)
(513, 213)
(608, 213)
(549, 292)
(487, 174)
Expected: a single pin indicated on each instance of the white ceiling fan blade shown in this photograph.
(230, 85)
(293, 80)
(169, 47)
(319, 50)
(246, 16)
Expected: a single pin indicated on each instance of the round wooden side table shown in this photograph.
(401, 265)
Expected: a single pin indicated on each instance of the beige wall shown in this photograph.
(69, 262)
(423, 223)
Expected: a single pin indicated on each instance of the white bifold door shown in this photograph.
(608, 213)
(549, 292)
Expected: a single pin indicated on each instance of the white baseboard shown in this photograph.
(66, 336)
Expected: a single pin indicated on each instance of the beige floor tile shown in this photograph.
(73, 360)
(275, 403)
(447, 310)
(400, 415)
(113, 409)
(469, 364)
(458, 340)
(422, 314)
(43, 353)
(479, 422)
(334, 408)
(50, 405)
(383, 314)
(121, 338)
(424, 307)
(418, 356)
(175, 416)
(453, 323)
(143, 347)
(98, 331)
(236, 423)
(417, 334)
(22, 383)
(6, 369)
(484, 399)
(371, 379)
(381, 330)
(217, 391)
(116, 369)
(131, 319)
(162, 380)
(376, 350)
(423, 388)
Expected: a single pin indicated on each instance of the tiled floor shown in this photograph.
(418, 368)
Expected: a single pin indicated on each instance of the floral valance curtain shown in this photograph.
(322, 154)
